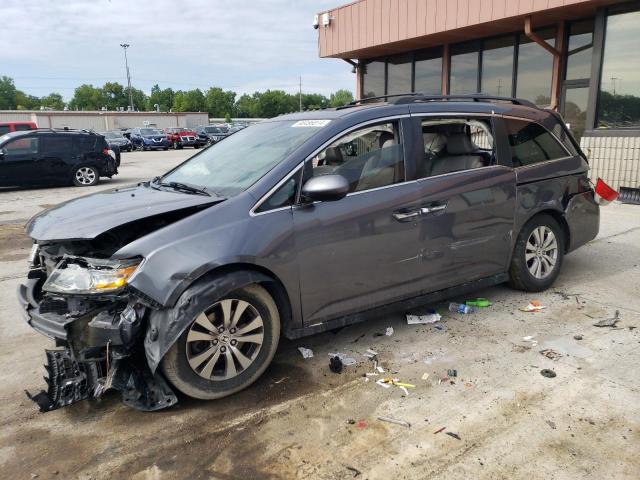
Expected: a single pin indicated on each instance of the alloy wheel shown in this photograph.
(541, 252)
(225, 339)
(85, 175)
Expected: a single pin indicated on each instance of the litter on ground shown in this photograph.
(551, 354)
(394, 421)
(533, 306)
(609, 322)
(454, 435)
(452, 373)
(423, 319)
(461, 308)
(479, 303)
(306, 352)
(335, 365)
(389, 331)
(439, 430)
(425, 376)
(546, 372)
(345, 359)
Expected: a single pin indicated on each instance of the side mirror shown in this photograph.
(326, 188)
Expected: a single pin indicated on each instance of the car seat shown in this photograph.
(461, 155)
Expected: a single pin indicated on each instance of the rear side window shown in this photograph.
(56, 143)
(530, 143)
(83, 144)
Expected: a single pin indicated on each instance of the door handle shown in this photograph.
(400, 216)
(433, 209)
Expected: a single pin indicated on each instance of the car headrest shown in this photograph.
(333, 156)
(459, 144)
(385, 139)
(434, 142)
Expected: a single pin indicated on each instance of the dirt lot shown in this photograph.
(302, 421)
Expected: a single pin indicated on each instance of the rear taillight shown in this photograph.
(105, 151)
(604, 193)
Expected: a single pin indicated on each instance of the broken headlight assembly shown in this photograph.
(85, 276)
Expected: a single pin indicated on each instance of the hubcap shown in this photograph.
(225, 339)
(541, 252)
(85, 175)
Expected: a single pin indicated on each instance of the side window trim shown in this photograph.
(553, 135)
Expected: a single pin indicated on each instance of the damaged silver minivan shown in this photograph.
(296, 225)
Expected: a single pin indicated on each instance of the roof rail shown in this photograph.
(66, 129)
(417, 97)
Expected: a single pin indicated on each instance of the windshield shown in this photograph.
(150, 131)
(230, 167)
(113, 135)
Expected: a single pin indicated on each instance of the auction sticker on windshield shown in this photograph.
(311, 123)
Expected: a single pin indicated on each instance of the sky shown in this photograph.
(241, 45)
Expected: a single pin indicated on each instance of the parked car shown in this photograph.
(149, 139)
(211, 134)
(8, 127)
(180, 137)
(117, 138)
(40, 157)
(299, 224)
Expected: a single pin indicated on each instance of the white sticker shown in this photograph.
(311, 123)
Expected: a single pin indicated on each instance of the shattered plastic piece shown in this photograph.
(361, 425)
(404, 389)
(380, 369)
(389, 331)
(439, 327)
(423, 319)
(382, 383)
(346, 360)
(551, 354)
(370, 353)
(452, 373)
(355, 471)
(551, 424)
(533, 306)
(609, 322)
(425, 376)
(529, 338)
(439, 430)
(454, 435)
(306, 352)
(335, 365)
(402, 423)
(546, 372)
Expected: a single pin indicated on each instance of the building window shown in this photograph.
(399, 74)
(373, 79)
(619, 96)
(497, 66)
(575, 110)
(464, 69)
(428, 72)
(580, 50)
(535, 69)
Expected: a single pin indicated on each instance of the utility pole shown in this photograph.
(126, 64)
(300, 93)
(614, 80)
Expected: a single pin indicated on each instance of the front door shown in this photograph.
(19, 156)
(358, 252)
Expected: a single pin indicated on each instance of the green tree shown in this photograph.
(140, 99)
(275, 102)
(247, 106)
(189, 101)
(7, 94)
(160, 97)
(219, 102)
(313, 101)
(53, 100)
(340, 98)
(26, 102)
(227, 118)
(115, 96)
(88, 97)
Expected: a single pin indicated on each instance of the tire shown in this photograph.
(534, 268)
(85, 176)
(165, 148)
(190, 349)
(175, 145)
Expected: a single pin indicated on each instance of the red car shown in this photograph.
(8, 127)
(180, 137)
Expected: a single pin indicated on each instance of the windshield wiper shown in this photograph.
(185, 187)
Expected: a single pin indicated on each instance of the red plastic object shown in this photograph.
(604, 193)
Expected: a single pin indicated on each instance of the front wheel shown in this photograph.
(538, 254)
(86, 176)
(226, 347)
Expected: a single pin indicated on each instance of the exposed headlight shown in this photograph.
(88, 276)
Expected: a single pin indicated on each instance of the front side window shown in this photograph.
(619, 99)
(530, 143)
(284, 196)
(370, 157)
(230, 167)
(20, 147)
(454, 145)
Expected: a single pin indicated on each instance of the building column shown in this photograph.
(446, 63)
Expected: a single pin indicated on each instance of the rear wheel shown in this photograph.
(86, 176)
(226, 347)
(538, 254)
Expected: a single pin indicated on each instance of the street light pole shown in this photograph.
(126, 64)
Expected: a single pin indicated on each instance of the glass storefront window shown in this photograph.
(399, 74)
(535, 69)
(580, 50)
(373, 80)
(464, 69)
(428, 72)
(575, 110)
(619, 99)
(497, 66)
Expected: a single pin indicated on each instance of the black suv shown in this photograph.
(295, 225)
(45, 157)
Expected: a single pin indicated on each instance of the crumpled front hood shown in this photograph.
(87, 217)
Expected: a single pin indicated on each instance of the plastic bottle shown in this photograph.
(461, 308)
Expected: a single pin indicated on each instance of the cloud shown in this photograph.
(238, 45)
